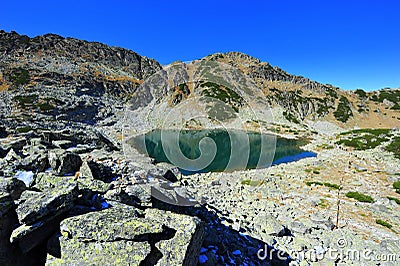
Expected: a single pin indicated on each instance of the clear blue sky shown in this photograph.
(349, 44)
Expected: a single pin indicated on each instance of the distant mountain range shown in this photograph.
(73, 80)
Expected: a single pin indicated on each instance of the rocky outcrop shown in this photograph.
(123, 234)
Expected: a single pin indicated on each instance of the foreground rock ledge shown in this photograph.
(125, 235)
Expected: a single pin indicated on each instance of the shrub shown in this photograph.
(19, 76)
(394, 147)
(309, 183)
(24, 129)
(395, 199)
(253, 183)
(291, 117)
(359, 196)
(383, 223)
(343, 111)
(361, 93)
(334, 186)
(396, 185)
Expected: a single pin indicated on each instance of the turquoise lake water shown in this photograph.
(218, 150)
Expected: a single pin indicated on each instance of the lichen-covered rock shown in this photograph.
(93, 170)
(34, 206)
(6, 203)
(63, 162)
(76, 252)
(127, 235)
(13, 186)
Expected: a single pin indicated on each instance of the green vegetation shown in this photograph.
(360, 197)
(309, 183)
(24, 129)
(45, 107)
(323, 203)
(19, 76)
(394, 147)
(395, 199)
(325, 146)
(326, 184)
(291, 117)
(389, 95)
(396, 185)
(383, 223)
(222, 93)
(24, 100)
(253, 183)
(331, 92)
(362, 139)
(334, 186)
(373, 131)
(361, 93)
(343, 111)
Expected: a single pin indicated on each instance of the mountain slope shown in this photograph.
(66, 79)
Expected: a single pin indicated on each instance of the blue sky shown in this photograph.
(350, 44)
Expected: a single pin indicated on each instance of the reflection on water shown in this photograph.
(218, 150)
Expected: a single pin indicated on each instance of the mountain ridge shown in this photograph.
(94, 69)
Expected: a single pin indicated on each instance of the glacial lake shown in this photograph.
(194, 151)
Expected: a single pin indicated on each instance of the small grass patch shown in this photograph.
(323, 203)
(396, 186)
(360, 197)
(316, 172)
(317, 183)
(383, 223)
(24, 129)
(334, 186)
(394, 147)
(253, 183)
(395, 199)
(326, 184)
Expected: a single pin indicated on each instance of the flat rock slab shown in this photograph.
(35, 206)
(125, 234)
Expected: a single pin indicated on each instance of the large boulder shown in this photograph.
(39, 214)
(64, 162)
(129, 236)
(94, 170)
(13, 186)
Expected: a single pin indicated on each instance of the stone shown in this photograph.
(63, 162)
(270, 225)
(13, 186)
(62, 144)
(25, 176)
(94, 170)
(6, 203)
(34, 206)
(125, 234)
(298, 227)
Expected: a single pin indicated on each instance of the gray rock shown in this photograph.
(297, 227)
(63, 162)
(93, 170)
(12, 186)
(35, 206)
(62, 144)
(123, 233)
(6, 203)
(269, 225)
